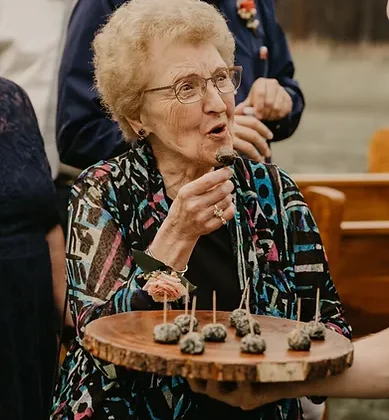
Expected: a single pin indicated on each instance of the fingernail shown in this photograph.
(248, 110)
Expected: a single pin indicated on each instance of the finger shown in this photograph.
(272, 88)
(249, 400)
(201, 209)
(251, 136)
(205, 183)
(221, 205)
(279, 107)
(255, 124)
(211, 197)
(227, 387)
(283, 105)
(248, 149)
(257, 97)
(215, 222)
(239, 109)
(214, 390)
(198, 385)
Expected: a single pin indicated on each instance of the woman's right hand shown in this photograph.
(192, 212)
(192, 215)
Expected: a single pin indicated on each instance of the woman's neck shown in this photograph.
(177, 171)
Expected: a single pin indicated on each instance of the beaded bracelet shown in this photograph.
(180, 273)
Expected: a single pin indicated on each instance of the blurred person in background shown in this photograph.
(32, 262)
(84, 133)
(30, 50)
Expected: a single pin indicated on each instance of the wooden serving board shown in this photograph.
(127, 340)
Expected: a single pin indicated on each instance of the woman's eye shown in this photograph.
(186, 87)
(222, 77)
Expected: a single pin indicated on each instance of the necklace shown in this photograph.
(247, 11)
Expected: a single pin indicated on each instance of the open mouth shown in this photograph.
(218, 129)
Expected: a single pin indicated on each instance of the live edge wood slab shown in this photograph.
(127, 340)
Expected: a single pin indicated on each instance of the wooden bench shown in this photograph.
(327, 206)
(378, 154)
(367, 195)
(359, 261)
(362, 277)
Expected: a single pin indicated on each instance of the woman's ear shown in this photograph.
(136, 125)
(139, 126)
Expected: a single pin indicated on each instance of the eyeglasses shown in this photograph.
(192, 89)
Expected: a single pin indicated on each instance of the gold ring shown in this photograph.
(218, 212)
(224, 221)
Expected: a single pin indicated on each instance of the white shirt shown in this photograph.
(31, 33)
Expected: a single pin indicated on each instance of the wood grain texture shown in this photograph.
(327, 206)
(378, 154)
(363, 276)
(126, 340)
(367, 195)
(360, 267)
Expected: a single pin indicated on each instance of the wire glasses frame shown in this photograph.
(193, 88)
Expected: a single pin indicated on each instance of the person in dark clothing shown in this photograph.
(32, 262)
(84, 133)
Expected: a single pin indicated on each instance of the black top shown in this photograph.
(27, 213)
(212, 266)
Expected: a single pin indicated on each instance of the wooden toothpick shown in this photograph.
(214, 306)
(243, 294)
(186, 298)
(248, 311)
(298, 312)
(192, 314)
(164, 308)
(317, 305)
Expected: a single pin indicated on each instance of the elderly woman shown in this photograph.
(165, 71)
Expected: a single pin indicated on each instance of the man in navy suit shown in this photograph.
(269, 101)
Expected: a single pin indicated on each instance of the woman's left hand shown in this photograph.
(244, 395)
(270, 100)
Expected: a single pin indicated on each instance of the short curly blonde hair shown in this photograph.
(121, 48)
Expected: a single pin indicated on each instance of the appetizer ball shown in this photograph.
(192, 343)
(315, 330)
(183, 322)
(226, 156)
(235, 315)
(252, 343)
(243, 327)
(214, 332)
(299, 340)
(166, 333)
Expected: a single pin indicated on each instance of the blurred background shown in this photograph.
(341, 53)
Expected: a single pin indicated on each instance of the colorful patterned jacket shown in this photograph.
(119, 205)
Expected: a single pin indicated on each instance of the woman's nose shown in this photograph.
(213, 100)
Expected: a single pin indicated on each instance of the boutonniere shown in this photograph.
(247, 11)
(160, 279)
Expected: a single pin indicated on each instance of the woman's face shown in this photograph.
(187, 130)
